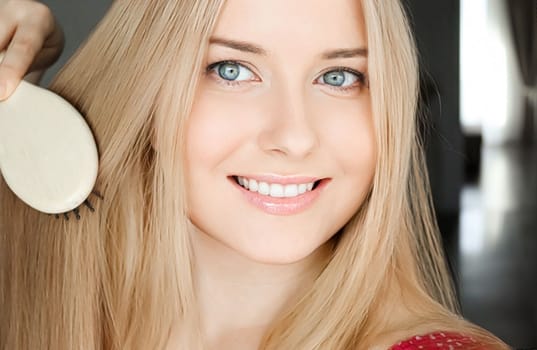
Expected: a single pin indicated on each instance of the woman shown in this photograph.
(264, 188)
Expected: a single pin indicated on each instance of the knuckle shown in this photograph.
(25, 11)
(15, 8)
(41, 11)
(41, 17)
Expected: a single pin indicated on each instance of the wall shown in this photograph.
(77, 19)
(436, 27)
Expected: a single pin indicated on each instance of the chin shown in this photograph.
(278, 249)
(277, 256)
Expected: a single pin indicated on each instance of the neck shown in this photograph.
(239, 297)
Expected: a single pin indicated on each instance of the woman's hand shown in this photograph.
(32, 37)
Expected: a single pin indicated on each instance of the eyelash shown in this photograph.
(211, 68)
(360, 82)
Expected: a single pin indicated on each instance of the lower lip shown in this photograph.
(283, 205)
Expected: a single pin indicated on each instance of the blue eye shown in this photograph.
(340, 78)
(231, 71)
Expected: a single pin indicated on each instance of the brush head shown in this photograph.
(48, 155)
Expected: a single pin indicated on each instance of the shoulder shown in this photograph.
(440, 341)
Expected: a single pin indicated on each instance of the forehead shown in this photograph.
(276, 24)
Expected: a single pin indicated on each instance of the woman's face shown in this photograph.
(283, 104)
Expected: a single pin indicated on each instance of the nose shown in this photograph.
(291, 130)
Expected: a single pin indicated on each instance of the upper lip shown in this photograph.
(282, 179)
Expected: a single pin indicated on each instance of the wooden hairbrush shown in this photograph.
(48, 155)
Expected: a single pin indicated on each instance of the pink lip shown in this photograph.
(282, 206)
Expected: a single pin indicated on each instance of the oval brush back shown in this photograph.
(48, 155)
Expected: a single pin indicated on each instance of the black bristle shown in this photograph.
(98, 194)
(76, 211)
(88, 204)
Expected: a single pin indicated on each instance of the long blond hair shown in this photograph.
(121, 277)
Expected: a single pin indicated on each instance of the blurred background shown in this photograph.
(479, 96)
(479, 102)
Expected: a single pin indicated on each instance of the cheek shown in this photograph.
(210, 128)
(349, 139)
(350, 136)
(217, 126)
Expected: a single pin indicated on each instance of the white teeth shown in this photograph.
(264, 188)
(275, 190)
(253, 186)
(291, 191)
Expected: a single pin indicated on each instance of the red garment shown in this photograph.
(439, 341)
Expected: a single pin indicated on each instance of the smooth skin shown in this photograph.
(298, 105)
(33, 41)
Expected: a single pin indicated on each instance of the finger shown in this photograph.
(51, 50)
(29, 27)
(7, 29)
(18, 58)
(44, 59)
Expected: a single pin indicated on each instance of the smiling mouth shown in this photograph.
(276, 190)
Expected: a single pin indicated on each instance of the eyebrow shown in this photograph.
(345, 53)
(258, 50)
(239, 45)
